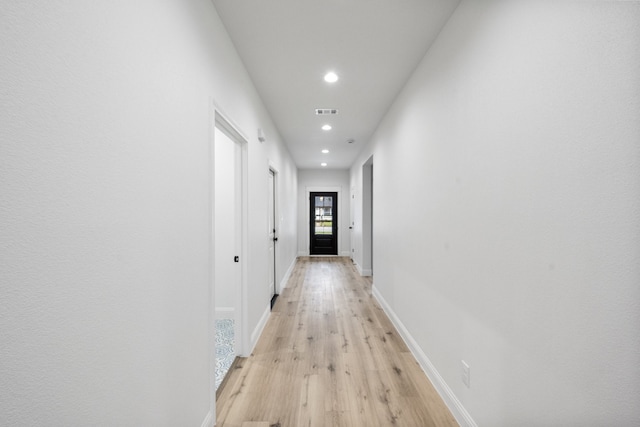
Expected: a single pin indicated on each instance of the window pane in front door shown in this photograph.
(323, 215)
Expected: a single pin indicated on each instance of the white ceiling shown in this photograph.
(288, 46)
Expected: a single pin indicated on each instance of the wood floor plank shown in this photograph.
(329, 356)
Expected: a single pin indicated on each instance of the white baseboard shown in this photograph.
(287, 275)
(455, 406)
(357, 266)
(259, 328)
(345, 253)
(255, 336)
(225, 313)
(209, 420)
(363, 272)
(303, 253)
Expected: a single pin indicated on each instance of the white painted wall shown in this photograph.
(507, 212)
(324, 180)
(105, 180)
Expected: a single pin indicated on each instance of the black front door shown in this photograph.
(324, 223)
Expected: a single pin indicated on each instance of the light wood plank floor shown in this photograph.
(329, 356)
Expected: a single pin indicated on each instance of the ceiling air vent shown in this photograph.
(326, 111)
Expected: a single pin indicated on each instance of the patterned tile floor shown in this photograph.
(225, 352)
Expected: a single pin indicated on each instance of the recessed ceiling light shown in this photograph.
(326, 127)
(325, 151)
(331, 77)
(323, 165)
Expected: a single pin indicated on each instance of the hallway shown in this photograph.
(495, 192)
(329, 356)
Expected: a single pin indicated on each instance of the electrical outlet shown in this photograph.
(466, 374)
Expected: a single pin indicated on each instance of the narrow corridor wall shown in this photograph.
(507, 216)
(106, 112)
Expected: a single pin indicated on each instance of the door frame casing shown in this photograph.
(276, 224)
(220, 120)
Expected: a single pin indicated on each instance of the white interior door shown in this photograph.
(352, 222)
(227, 224)
(367, 218)
(273, 236)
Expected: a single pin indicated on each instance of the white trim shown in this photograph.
(243, 298)
(219, 119)
(225, 313)
(303, 253)
(322, 189)
(255, 336)
(227, 123)
(287, 275)
(367, 216)
(209, 420)
(455, 406)
(357, 267)
(227, 126)
(211, 415)
(272, 171)
(272, 166)
(345, 253)
(366, 273)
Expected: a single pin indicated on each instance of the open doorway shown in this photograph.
(367, 217)
(229, 222)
